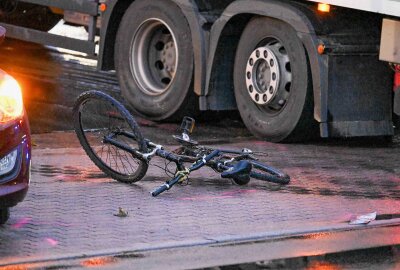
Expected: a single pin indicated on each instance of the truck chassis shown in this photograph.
(291, 70)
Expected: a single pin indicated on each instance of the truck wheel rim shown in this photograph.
(269, 76)
(154, 57)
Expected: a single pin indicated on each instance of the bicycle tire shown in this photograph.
(268, 173)
(96, 115)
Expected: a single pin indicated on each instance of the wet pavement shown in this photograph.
(70, 209)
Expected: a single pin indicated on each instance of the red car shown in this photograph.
(15, 144)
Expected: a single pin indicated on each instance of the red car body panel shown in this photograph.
(15, 134)
(14, 185)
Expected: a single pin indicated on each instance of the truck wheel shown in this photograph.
(154, 60)
(4, 215)
(273, 82)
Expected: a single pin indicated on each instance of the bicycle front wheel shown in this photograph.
(101, 123)
(263, 172)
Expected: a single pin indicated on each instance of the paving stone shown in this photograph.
(70, 206)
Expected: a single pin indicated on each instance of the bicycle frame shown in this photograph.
(179, 160)
(122, 128)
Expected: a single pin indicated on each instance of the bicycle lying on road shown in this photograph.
(112, 139)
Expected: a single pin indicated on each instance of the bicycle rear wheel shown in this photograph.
(263, 172)
(97, 116)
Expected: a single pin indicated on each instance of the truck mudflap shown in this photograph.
(358, 98)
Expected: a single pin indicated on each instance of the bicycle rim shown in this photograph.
(99, 116)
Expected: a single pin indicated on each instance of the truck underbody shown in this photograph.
(292, 71)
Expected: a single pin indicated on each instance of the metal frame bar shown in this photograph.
(88, 46)
(87, 6)
(45, 38)
(388, 7)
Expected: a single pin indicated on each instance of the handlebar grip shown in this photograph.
(160, 189)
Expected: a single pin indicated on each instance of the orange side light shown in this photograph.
(321, 49)
(102, 7)
(324, 7)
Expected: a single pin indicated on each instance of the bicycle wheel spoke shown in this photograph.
(101, 117)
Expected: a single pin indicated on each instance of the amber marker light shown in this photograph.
(11, 104)
(324, 7)
(321, 49)
(103, 7)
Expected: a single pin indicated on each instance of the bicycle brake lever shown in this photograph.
(248, 153)
(252, 157)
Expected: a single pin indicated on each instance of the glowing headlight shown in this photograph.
(11, 105)
(7, 163)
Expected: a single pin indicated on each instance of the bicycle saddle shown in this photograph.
(240, 169)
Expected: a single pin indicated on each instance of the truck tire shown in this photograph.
(28, 15)
(272, 82)
(154, 60)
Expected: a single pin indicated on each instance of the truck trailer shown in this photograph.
(294, 69)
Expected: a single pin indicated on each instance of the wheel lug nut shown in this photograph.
(271, 90)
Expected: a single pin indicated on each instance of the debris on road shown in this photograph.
(121, 213)
(363, 219)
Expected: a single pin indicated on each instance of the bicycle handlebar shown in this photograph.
(167, 185)
(160, 189)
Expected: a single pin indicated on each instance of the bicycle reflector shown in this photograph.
(11, 105)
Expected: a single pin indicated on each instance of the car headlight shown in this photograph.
(11, 105)
(7, 163)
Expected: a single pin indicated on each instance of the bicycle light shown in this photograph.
(187, 125)
(11, 105)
